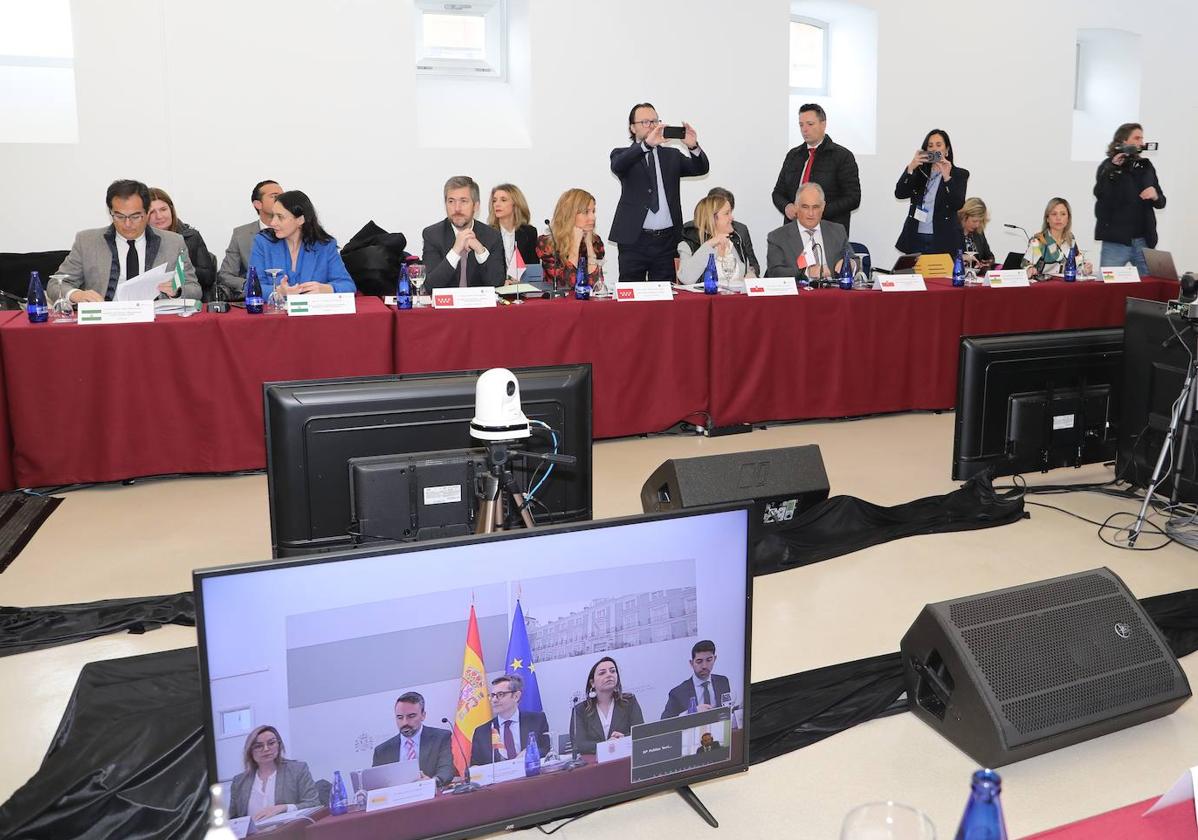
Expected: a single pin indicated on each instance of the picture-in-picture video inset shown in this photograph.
(450, 689)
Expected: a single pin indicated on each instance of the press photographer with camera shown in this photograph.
(936, 189)
(1128, 195)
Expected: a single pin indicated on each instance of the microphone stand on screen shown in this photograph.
(574, 761)
(464, 786)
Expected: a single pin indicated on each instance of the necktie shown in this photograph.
(654, 198)
(706, 693)
(462, 282)
(509, 741)
(410, 754)
(807, 168)
(132, 264)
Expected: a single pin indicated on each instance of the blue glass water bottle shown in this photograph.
(582, 284)
(1070, 272)
(35, 303)
(983, 813)
(403, 289)
(532, 756)
(958, 270)
(711, 278)
(845, 281)
(338, 801)
(693, 707)
(253, 292)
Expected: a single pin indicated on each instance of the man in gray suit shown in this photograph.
(431, 746)
(102, 258)
(809, 247)
(237, 256)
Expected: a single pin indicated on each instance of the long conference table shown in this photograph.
(96, 403)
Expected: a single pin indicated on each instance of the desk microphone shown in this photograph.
(734, 238)
(574, 761)
(464, 786)
(1020, 229)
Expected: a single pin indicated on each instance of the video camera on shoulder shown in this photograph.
(1132, 150)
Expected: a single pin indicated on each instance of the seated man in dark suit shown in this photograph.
(809, 247)
(460, 250)
(431, 746)
(103, 258)
(690, 234)
(514, 726)
(707, 743)
(703, 687)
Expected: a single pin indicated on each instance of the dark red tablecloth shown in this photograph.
(649, 359)
(103, 403)
(7, 479)
(1126, 823)
(1055, 305)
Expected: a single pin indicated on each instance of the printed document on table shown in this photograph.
(145, 285)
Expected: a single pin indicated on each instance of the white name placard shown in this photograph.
(771, 287)
(338, 303)
(116, 312)
(1119, 274)
(390, 797)
(1007, 278)
(616, 748)
(500, 771)
(901, 283)
(472, 297)
(653, 290)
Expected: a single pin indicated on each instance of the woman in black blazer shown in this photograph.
(608, 712)
(510, 216)
(935, 208)
(973, 216)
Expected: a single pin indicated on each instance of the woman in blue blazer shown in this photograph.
(297, 244)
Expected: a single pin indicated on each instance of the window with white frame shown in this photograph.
(462, 40)
(37, 73)
(808, 56)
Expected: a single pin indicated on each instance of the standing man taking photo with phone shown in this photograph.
(647, 225)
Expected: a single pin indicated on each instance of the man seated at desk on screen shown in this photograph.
(707, 743)
(103, 258)
(429, 745)
(704, 687)
(514, 726)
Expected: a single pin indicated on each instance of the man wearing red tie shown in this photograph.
(506, 735)
(818, 160)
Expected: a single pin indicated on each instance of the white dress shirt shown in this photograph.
(262, 794)
(815, 236)
(698, 683)
(122, 253)
(661, 219)
(605, 719)
(453, 257)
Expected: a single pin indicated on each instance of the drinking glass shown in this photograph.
(416, 278)
(886, 821)
(277, 302)
(61, 310)
(552, 755)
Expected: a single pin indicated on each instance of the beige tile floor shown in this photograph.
(146, 539)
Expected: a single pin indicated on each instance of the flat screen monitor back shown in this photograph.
(314, 428)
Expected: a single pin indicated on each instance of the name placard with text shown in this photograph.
(390, 797)
(901, 283)
(771, 287)
(1119, 274)
(338, 303)
(651, 290)
(116, 312)
(1007, 278)
(472, 297)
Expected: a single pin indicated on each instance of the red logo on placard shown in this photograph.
(625, 294)
(757, 289)
(887, 284)
(443, 300)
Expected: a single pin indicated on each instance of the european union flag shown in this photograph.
(519, 661)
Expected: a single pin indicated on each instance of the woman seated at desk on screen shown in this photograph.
(304, 252)
(608, 712)
(270, 784)
(1047, 251)
(713, 219)
(572, 232)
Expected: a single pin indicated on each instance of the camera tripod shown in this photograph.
(499, 494)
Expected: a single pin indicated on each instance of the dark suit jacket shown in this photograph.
(526, 244)
(436, 753)
(834, 169)
(439, 274)
(293, 786)
(680, 696)
(690, 234)
(480, 742)
(784, 244)
(628, 164)
(946, 227)
(714, 745)
(588, 729)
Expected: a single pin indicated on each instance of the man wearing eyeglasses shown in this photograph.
(648, 220)
(511, 727)
(415, 741)
(103, 258)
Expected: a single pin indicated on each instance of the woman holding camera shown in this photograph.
(1128, 195)
(936, 190)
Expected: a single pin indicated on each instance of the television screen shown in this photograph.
(1034, 401)
(555, 670)
(314, 428)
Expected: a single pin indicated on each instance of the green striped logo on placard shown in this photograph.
(299, 307)
(90, 317)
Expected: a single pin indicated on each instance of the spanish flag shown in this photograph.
(474, 701)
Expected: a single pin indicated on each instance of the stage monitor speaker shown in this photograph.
(1010, 674)
(782, 482)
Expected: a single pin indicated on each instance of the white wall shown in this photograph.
(323, 97)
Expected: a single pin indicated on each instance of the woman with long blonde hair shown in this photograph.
(1048, 249)
(572, 232)
(713, 219)
(511, 217)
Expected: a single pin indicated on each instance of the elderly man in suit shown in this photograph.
(427, 744)
(241, 246)
(704, 687)
(647, 224)
(810, 246)
(102, 258)
(459, 250)
(512, 726)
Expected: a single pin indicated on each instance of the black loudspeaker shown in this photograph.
(782, 482)
(1017, 672)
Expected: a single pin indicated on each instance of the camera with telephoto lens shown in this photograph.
(1132, 150)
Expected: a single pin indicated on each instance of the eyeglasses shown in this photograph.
(647, 123)
(132, 217)
(495, 695)
(269, 745)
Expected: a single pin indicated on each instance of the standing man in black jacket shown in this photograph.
(648, 221)
(820, 160)
(1128, 195)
